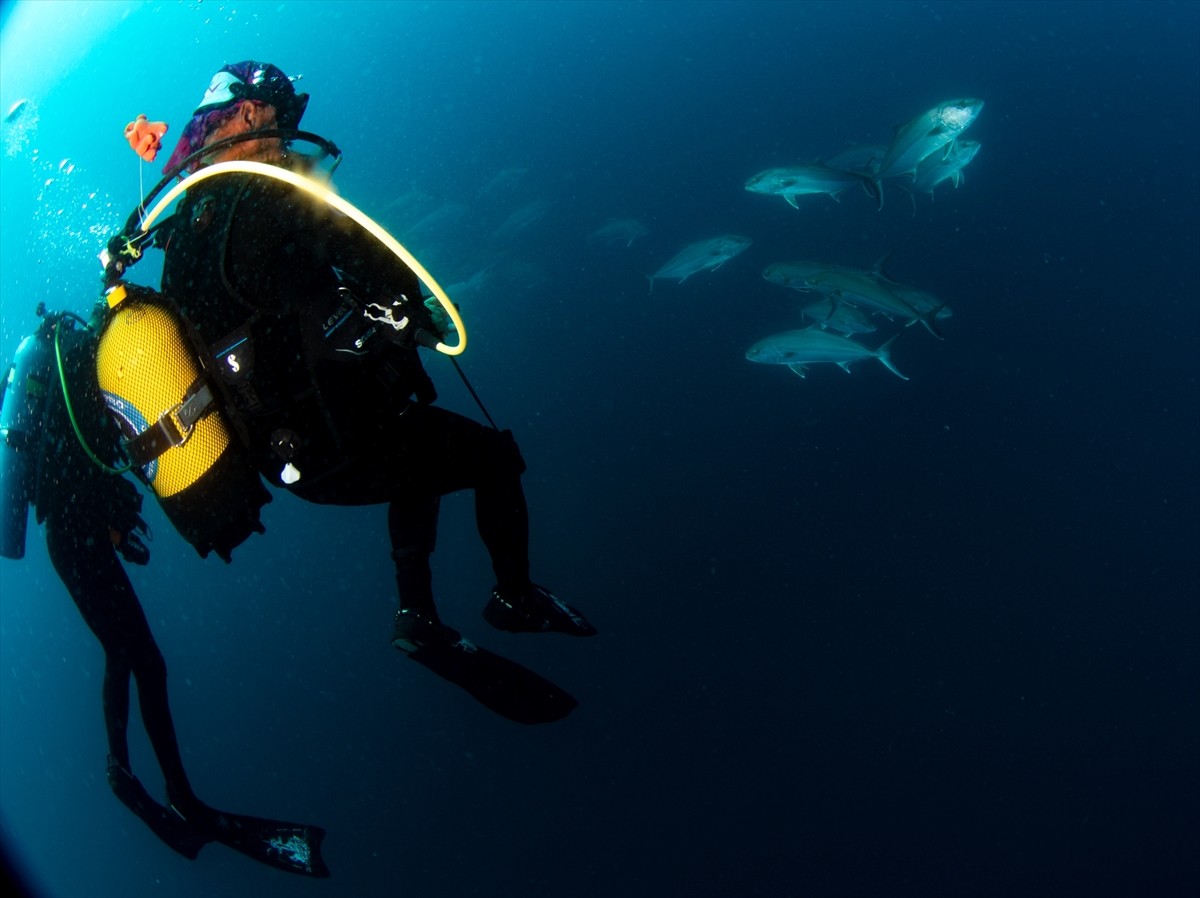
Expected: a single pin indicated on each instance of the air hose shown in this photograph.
(62, 379)
(323, 193)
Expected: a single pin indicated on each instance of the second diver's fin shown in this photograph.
(294, 847)
(164, 822)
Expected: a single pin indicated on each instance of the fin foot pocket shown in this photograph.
(414, 630)
(535, 610)
(164, 822)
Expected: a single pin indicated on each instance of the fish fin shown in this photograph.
(845, 366)
(884, 354)
(874, 189)
(791, 198)
(650, 278)
(879, 266)
(930, 322)
(958, 178)
(798, 370)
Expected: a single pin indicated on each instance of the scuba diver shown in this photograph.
(283, 346)
(50, 394)
(309, 328)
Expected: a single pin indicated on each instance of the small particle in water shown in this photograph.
(15, 110)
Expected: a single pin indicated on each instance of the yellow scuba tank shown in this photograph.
(175, 434)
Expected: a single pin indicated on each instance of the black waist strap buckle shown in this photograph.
(173, 426)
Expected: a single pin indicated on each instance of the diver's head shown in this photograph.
(243, 97)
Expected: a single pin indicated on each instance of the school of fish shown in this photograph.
(846, 302)
(489, 232)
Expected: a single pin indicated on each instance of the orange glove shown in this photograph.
(145, 137)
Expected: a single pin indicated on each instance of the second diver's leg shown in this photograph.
(86, 563)
(116, 708)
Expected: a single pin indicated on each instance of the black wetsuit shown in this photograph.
(89, 517)
(274, 284)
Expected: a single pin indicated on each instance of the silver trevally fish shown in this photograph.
(862, 289)
(813, 346)
(871, 289)
(842, 317)
(796, 275)
(523, 219)
(437, 224)
(863, 158)
(927, 133)
(922, 301)
(471, 285)
(798, 180)
(504, 183)
(619, 230)
(704, 255)
(937, 168)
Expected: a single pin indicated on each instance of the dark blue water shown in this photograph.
(860, 636)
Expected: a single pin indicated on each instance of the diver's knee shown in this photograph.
(504, 455)
(150, 666)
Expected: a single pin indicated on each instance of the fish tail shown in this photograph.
(930, 321)
(884, 354)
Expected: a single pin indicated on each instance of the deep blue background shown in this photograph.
(859, 636)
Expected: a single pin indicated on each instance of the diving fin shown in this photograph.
(500, 685)
(165, 823)
(294, 847)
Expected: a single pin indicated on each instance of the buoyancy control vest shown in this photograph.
(247, 340)
(303, 370)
